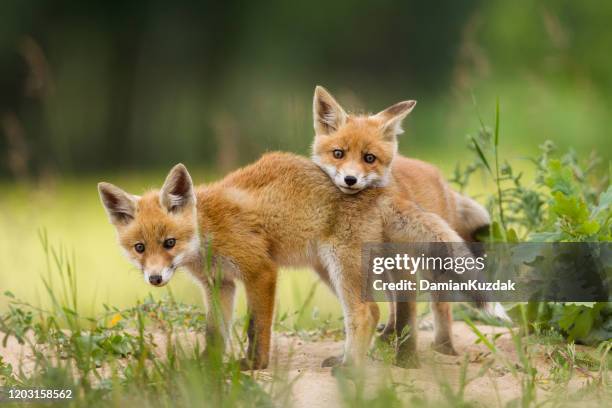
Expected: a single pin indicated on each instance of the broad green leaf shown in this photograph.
(582, 325)
(576, 321)
(511, 235)
(570, 312)
(497, 233)
(570, 207)
(588, 227)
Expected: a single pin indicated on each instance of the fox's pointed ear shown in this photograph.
(177, 191)
(392, 117)
(328, 114)
(120, 206)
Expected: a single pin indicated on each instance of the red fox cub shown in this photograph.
(280, 211)
(360, 153)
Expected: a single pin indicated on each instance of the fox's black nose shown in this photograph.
(155, 280)
(350, 180)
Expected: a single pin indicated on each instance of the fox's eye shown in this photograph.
(338, 153)
(139, 247)
(169, 243)
(369, 158)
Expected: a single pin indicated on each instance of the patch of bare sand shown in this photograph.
(317, 387)
(17, 355)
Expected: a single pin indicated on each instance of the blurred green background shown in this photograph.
(123, 90)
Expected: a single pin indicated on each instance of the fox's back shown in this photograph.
(277, 168)
(424, 184)
(289, 202)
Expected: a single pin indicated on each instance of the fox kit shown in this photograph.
(360, 153)
(280, 211)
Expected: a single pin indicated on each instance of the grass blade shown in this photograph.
(497, 123)
(480, 335)
(481, 155)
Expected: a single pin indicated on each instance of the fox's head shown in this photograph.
(158, 232)
(355, 151)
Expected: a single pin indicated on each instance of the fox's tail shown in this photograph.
(481, 299)
(495, 309)
(472, 217)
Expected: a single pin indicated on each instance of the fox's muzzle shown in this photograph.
(159, 278)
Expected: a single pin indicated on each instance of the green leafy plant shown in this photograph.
(567, 200)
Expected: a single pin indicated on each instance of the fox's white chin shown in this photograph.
(347, 190)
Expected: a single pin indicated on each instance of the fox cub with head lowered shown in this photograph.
(359, 152)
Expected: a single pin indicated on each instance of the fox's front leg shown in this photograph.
(219, 297)
(260, 288)
(443, 324)
(360, 316)
(406, 346)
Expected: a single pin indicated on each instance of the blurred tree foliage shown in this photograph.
(104, 85)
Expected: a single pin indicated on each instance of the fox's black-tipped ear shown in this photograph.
(392, 117)
(177, 191)
(328, 114)
(120, 206)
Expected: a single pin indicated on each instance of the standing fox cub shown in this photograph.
(280, 211)
(359, 153)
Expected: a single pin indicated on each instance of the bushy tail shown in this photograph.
(495, 309)
(472, 217)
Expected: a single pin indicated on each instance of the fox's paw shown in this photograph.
(249, 365)
(333, 361)
(444, 348)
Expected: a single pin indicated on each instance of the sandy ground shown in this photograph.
(317, 387)
(299, 362)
